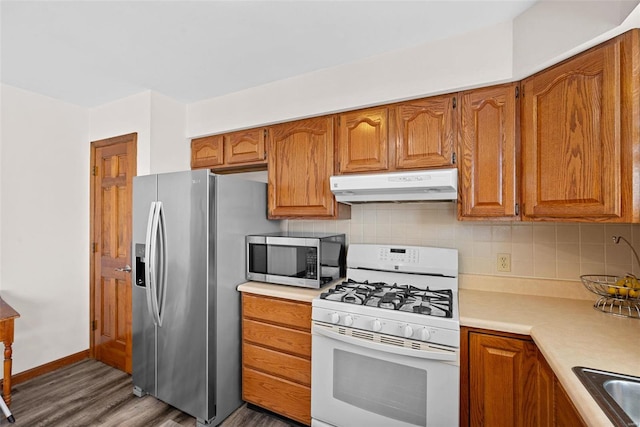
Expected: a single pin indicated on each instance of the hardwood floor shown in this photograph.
(90, 393)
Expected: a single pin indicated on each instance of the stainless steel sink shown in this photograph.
(617, 394)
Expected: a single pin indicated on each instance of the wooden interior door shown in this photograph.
(113, 166)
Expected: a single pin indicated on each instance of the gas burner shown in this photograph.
(394, 296)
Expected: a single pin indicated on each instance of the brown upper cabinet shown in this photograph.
(567, 150)
(424, 133)
(363, 141)
(300, 156)
(580, 136)
(235, 151)
(415, 134)
(207, 152)
(488, 152)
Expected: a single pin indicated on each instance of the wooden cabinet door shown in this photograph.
(565, 413)
(245, 147)
(488, 153)
(424, 133)
(363, 141)
(577, 123)
(502, 376)
(554, 405)
(300, 159)
(207, 152)
(546, 399)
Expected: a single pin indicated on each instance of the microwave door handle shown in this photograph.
(437, 354)
(149, 248)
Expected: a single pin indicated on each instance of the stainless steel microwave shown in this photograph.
(308, 260)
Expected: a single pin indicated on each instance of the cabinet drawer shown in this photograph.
(274, 310)
(277, 337)
(281, 396)
(280, 364)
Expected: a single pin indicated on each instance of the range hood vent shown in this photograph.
(414, 186)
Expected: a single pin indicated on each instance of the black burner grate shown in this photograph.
(408, 298)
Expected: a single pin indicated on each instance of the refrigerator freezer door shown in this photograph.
(143, 328)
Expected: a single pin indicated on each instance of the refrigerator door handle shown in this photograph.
(156, 262)
(149, 271)
(163, 264)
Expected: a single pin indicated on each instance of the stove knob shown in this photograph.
(407, 331)
(376, 325)
(425, 334)
(348, 320)
(334, 317)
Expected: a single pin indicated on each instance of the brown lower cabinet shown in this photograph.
(276, 355)
(505, 381)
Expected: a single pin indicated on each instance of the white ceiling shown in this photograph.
(92, 52)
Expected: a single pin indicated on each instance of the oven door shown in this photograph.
(359, 383)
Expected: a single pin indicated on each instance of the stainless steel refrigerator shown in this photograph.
(189, 245)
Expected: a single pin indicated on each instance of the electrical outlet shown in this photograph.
(504, 262)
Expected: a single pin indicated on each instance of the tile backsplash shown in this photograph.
(537, 250)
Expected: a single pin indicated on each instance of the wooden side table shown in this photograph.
(7, 314)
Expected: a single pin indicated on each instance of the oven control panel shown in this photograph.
(399, 255)
(403, 259)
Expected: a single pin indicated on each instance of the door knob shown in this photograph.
(126, 269)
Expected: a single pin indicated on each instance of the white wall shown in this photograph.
(44, 183)
(551, 31)
(547, 33)
(159, 122)
(127, 115)
(170, 148)
(473, 59)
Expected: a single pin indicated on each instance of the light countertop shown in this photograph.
(559, 316)
(282, 291)
(568, 332)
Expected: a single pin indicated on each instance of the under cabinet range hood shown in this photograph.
(413, 186)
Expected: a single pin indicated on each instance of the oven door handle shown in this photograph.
(437, 354)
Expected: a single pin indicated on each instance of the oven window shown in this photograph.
(385, 388)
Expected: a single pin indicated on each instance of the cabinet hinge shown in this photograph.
(94, 325)
(94, 171)
(453, 158)
(517, 92)
(455, 102)
(517, 209)
(94, 247)
(265, 134)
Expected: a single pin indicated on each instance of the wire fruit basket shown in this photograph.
(618, 295)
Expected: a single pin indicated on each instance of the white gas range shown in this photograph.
(386, 341)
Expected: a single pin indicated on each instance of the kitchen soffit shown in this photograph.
(92, 52)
